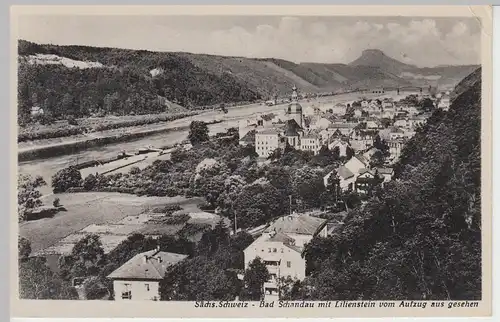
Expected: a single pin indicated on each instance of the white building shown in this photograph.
(444, 103)
(280, 247)
(311, 142)
(139, 278)
(266, 142)
(36, 110)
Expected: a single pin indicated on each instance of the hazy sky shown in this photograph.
(420, 41)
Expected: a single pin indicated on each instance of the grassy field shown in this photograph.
(84, 209)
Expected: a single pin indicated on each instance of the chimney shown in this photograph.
(145, 259)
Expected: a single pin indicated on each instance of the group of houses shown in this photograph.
(279, 245)
(356, 127)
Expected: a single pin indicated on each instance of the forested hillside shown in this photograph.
(80, 81)
(419, 238)
(124, 85)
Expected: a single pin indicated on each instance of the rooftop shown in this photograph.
(344, 172)
(297, 224)
(148, 265)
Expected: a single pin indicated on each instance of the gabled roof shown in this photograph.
(344, 172)
(283, 238)
(362, 159)
(297, 224)
(267, 132)
(148, 265)
(292, 128)
(385, 170)
(249, 137)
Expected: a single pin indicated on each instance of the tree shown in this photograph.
(24, 248)
(307, 185)
(28, 196)
(66, 178)
(427, 105)
(349, 153)
(57, 202)
(87, 258)
(38, 282)
(255, 276)
(197, 279)
(198, 132)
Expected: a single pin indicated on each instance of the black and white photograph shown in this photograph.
(282, 161)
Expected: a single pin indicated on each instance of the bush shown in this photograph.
(66, 178)
(71, 120)
(56, 203)
(168, 209)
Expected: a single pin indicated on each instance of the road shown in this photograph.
(48, 167)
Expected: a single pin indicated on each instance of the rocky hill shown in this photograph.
(121, 81)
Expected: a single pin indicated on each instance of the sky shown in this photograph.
(425, 42)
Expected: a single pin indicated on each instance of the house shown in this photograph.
(403, 122)
(139, 278)
(395, 133)
(281, 245)
(356, 163)
(372, 123)
(266, 142)
(339, 143)
(342, 127)
(365, 180)
(248, 138)
(362, 139)
(36, 110)
(388, 113)
(386, 173)
(358, 112)
(417, 121)
(311, 142)
(386, 104)
(395, 148)
(364, 103)
(323, 123)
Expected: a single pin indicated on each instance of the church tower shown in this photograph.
(294, 110)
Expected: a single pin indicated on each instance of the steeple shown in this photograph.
(294, 93)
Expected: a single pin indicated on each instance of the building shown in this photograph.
(266, 142)
(280, 247)
(294, 109)
(139, 278)
(349, 172)
(339, 143)
(36, 110)
(311, 142)
(248, 138)
(395, 148)
(362, 139)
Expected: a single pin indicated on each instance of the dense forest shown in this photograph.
(420, 237)
(122, 86)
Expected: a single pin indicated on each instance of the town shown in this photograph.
(229, 172)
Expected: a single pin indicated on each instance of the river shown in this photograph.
(48, 167)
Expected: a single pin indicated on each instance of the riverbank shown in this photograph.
(62, 148)
(61, 129)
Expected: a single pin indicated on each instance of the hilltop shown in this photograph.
(100, 81)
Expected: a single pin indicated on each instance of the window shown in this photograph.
(282, 250)
(288, 264)
(147, 287)
(274, 250)
(127, 294)
(269, 250)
